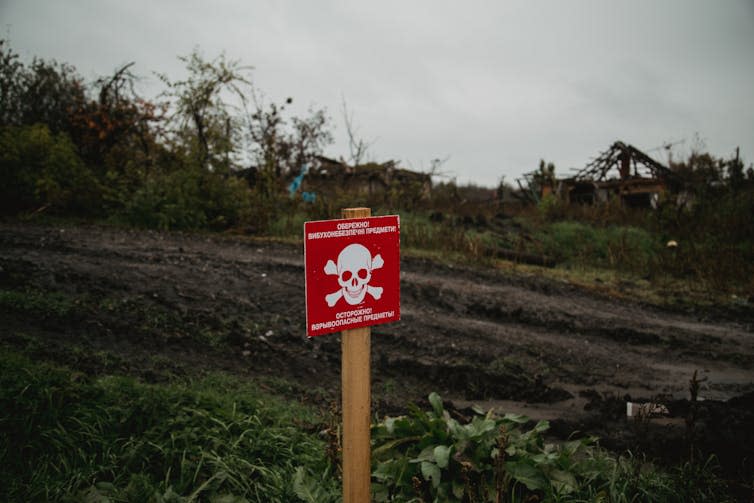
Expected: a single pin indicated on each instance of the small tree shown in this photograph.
(280, 147)
(279, 150)
(119, 128)
(44, 92)
(204, 113)
(11, 89)
(40, 169)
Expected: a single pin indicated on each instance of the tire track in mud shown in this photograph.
(471, 333)
(580, 341)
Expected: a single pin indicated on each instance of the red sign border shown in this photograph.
(335, 222)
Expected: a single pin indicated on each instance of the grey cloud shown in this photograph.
(495, 85)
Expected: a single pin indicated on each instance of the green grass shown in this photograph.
(617, 260)
(419, 236)
(616, 247)
(65, 437)
(289, 225)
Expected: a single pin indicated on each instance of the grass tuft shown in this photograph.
(114, 438)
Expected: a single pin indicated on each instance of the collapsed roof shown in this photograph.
(629, 161)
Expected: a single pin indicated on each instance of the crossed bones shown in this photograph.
(352, 260)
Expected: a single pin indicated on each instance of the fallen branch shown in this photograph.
(523, 258)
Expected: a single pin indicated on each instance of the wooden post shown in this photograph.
(357, 403)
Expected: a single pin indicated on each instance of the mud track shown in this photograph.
(166, 304)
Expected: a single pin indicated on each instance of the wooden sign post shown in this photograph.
(357, 403)
(352, 281)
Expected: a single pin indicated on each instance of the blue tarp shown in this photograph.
(296, 183)
(308, 197)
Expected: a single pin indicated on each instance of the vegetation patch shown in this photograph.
(433, 456)
(66, 437)
(37, 303)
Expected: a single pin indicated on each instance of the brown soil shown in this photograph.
(160, 305)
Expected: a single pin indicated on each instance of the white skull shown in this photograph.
(354, 272)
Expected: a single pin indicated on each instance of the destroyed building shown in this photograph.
(622, 171)
(374, 181)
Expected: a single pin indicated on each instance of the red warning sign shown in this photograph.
(352, 273)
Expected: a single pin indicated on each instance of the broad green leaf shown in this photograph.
(455, 429)
(563, 482)
(572, 447)
(390, 425)
(306, 487)
(436, 402)
(388, 446)
(427, 454)
(302, 486)
(385, 470)
(529, 475)
(542, 426)
(544, 458)
(479, 427)
(380, 493)
(516, 418)
(442, 454)
(431, 472)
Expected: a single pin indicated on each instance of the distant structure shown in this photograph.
(373, 180)
(621, 171)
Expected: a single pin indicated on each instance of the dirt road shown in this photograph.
(157, 304)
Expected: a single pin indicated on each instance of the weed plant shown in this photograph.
(616, 247)
(431, 456)
(64, 437)
(419, 232)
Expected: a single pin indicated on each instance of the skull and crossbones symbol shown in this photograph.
(354, 271)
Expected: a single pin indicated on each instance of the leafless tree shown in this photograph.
(357, 147)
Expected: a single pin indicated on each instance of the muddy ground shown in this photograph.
(166, 305)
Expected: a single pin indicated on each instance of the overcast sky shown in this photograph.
(493, 86)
